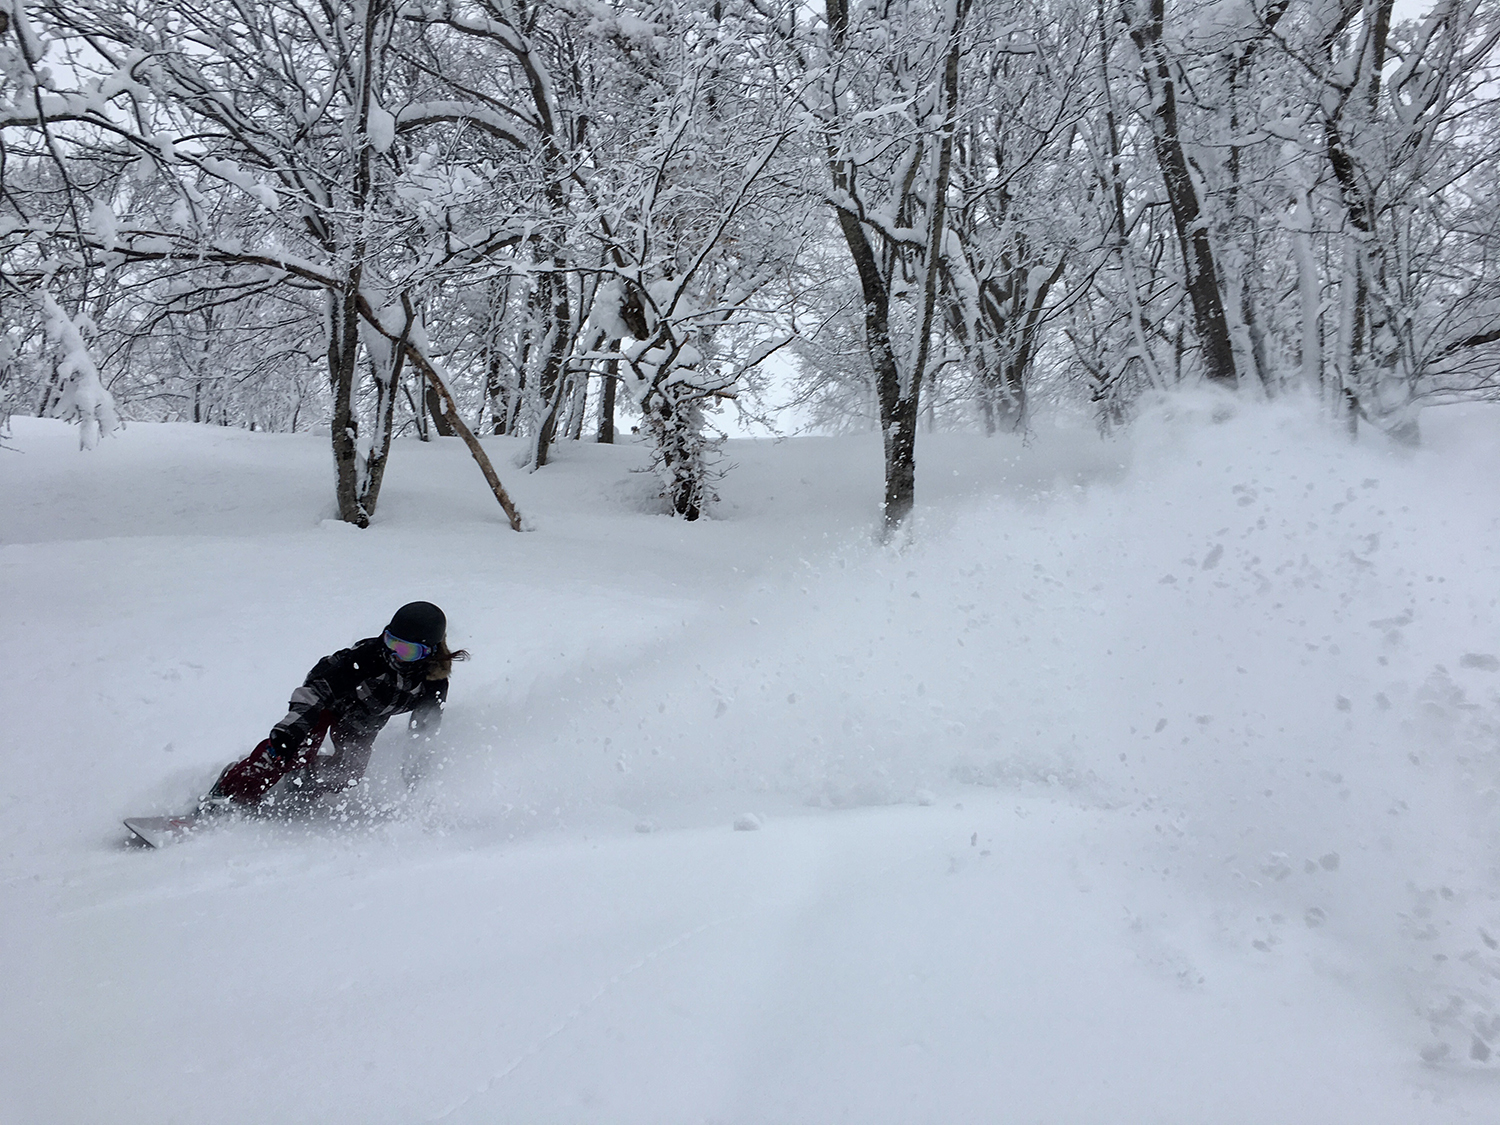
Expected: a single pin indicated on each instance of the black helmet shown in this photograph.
(419, 622)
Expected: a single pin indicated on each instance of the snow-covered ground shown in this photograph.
(1153, 781)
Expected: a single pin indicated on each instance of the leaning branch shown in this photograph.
(450, 408)
(1478, 340)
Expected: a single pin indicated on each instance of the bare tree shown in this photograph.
(1009, 245)
(280, 104)
(881, 87)
(1146, 23)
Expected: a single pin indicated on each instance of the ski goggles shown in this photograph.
(406, 651)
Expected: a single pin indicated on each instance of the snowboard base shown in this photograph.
(159, 831)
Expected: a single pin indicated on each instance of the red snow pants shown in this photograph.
(252, 777)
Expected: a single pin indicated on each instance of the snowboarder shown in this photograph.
(351, 695)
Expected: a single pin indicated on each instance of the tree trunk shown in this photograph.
(343, 356)
(579, 406)
(435, 409)
(1201, 277)
(607, 403)
(1309, 293)
(1365, 367)
(554, 294)
(344, 310)
(898, 391)
(386, 360)
(898, 412)
(500, 398)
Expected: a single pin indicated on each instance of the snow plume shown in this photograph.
(84, 397)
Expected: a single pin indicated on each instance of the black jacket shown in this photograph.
(363, 686)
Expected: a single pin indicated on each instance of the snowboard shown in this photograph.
(159, 831)
(331, 809)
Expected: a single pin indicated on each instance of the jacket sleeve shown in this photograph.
(332, 678)
(427, 715)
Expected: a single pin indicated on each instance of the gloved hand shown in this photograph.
(282, 744)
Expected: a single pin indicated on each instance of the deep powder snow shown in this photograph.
(1149, 780)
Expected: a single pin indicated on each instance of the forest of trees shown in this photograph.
(469, 217)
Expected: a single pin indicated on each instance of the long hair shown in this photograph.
(440, 663)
